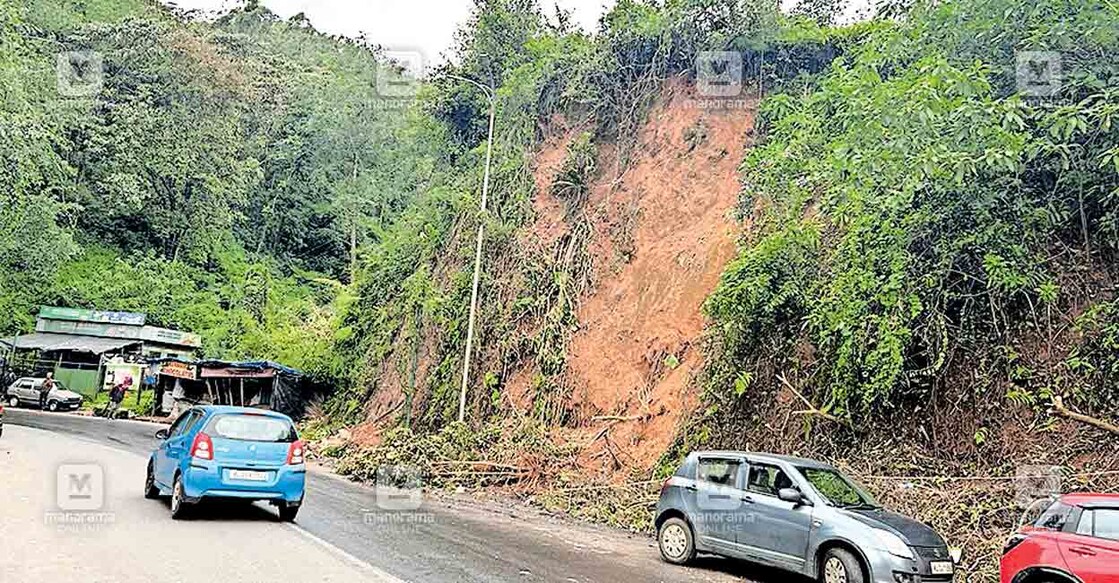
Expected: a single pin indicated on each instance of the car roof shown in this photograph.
(768, 457)
(224, 409)
(1089, 500)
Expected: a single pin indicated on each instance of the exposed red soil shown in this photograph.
(662, 232)
(387, 402)
(671, 211)
(518, 389)
(549, 224)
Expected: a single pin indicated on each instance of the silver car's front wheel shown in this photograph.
(834, 571)
(842, 566)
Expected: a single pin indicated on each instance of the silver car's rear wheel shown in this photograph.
(675, 541)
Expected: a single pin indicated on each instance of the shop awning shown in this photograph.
(233, 368)
(52, 342)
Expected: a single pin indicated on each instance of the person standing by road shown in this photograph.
(45, 390)
(116, 396)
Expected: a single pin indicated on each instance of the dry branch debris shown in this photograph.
(1060, 409)
(812, 409)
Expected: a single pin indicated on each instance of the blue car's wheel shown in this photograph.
(287, 513)
(151, 491)
(180, 508)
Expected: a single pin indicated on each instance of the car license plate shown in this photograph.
(248, 475)
(942, 567)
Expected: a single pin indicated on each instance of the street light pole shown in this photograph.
(478, 247)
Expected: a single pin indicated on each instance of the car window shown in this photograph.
(1100, 523)
(767, 479)
(1107, 523)
(836, 488)
(252, 428)
(180, 423)
(718, 471)
(1055, 517)
(195, 417)
(1087, 523)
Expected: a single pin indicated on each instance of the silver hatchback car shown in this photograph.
(25, 391)
(795, 514)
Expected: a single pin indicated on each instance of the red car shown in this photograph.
(1076, 540)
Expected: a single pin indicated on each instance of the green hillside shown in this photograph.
(919, 229)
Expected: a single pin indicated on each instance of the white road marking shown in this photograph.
(377, 574)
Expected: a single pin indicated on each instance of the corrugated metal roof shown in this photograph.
(246, 364)
(51, 342)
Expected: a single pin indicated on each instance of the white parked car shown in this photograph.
(25, 391)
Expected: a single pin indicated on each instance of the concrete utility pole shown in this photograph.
(478, 247)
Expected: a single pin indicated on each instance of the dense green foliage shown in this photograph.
(220, 177)
(245, 179)
(913, 207)
(416, 283)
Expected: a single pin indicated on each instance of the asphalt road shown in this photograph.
(114, 535)
(441, 541)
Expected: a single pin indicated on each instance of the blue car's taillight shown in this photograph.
(295, 453)
(203, 447)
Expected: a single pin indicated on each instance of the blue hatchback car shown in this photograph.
(228, 452)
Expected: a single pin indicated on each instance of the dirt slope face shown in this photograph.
(662, 232)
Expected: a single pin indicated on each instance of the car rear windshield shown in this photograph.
(249, 427)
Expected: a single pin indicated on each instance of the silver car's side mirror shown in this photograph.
(793, 496)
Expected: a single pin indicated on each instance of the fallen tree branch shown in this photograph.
(812, 409)
(1060, 409)
(617, 418)
(478, 464)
